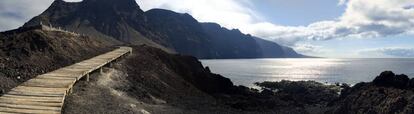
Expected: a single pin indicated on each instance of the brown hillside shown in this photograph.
(27, 52)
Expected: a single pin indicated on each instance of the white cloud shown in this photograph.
(228, 13)
(342, 2)
(309, 49)
(388, 52)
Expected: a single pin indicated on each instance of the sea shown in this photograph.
(351, 71)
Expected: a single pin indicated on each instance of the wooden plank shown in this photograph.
(8, 113)
(37, 94)
(87, 67)
(48, 84)
(26, 88)
(74, 69)
(31, 100)
(57, 74)
(35, 107)
(67, 72)
(32, 97)
(41, 92)
(14, 92)
(28, 111)
(52, 80)
(89, 63)
(60, 76)
(52, 104)
(56, 77)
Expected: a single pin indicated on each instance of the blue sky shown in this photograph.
(305, 12)
(325, 28)
(298, 12)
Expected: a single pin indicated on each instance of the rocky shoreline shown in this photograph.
(388, 93)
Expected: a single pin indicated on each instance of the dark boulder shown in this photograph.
(267, 92)
(386, 79)
(208, 69)
(411, 83)
(401, 81)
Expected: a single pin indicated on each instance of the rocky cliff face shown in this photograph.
(270, 49)
(122, 21)
(180, 32)
(27, 52)
(232, 43)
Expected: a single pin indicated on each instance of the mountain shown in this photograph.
(122, 21)
(232, 43)
(291, 53)
(273, 50)
(235, 44)
(181, 32)
(118, 21)
(270, 49)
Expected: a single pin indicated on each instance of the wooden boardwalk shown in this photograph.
(46, 93)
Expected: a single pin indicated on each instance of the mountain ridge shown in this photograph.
(173, 32)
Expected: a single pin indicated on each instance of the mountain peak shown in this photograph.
(123, 5)
(112, 2)
(58, 2)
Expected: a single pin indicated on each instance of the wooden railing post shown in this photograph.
(87, 77)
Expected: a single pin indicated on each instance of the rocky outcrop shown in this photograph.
(387, 94)
(389, 79)
(306, 92)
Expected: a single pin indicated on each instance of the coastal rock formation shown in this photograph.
(389, 79)
(387, 94)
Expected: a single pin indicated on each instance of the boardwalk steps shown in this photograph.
(46, 93)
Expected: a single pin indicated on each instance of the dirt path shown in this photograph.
(104, 94)
(100, 96)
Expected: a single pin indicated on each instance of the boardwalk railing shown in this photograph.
(45, 94)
